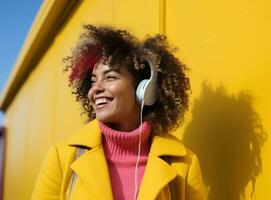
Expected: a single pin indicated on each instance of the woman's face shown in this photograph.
(112, 96)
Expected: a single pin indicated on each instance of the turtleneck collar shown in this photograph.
(125, 144)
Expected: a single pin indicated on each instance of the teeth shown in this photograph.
(101, 100)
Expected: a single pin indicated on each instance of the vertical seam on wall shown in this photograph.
(54, 96)
(113, 4)
(162, 17)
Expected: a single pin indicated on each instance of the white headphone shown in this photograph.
(146, 94)
(147, 88)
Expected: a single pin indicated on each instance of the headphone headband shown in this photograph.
(153, 70)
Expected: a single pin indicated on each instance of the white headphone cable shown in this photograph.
(139, 151)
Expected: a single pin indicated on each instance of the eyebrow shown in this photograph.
(107, 71)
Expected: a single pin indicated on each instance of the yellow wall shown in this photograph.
(225, 45)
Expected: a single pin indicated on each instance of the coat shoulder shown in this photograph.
(54, 172)
(190, 156)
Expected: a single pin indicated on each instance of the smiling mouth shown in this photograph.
(101, 103)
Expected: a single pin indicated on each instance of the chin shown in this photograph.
(104, 119)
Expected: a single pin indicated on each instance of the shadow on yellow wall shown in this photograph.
(227, 135)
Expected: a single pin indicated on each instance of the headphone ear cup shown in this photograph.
(147, 91)
(140, 90)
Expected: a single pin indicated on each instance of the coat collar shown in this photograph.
(90, 136)
(92, 167)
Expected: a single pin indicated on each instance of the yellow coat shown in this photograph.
(172, 171)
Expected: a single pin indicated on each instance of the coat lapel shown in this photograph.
(158, 173)
(91, 167)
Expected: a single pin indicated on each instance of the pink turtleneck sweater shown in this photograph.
(121, 149)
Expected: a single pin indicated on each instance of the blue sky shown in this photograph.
(16, 18)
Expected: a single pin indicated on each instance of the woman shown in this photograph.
(119, 154)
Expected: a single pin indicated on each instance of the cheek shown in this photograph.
(90, 93)
(124, 93)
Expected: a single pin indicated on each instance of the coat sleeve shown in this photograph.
(194, 184)
(49, 180)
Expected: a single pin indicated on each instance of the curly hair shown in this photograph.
(119, 48)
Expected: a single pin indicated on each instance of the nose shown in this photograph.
(97, 88)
